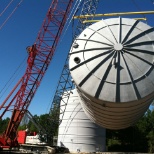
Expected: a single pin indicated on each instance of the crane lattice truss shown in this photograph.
(40, 55)
(65, 84)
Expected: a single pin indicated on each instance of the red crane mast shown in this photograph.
(40, 55)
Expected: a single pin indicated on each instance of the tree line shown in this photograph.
(137, 138)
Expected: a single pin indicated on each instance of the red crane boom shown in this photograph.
(40, 55)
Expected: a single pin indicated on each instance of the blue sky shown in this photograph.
(22, 29)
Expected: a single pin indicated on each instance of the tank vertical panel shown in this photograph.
(77, 132)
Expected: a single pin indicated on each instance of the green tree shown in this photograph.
(22, 127)
(31, 126)
(150, 138)
(139, 138)
(4, 124)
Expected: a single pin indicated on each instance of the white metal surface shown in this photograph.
(77, 132)
(34, 140)
(111, 63)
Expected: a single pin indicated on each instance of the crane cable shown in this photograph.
(73, 13)
(69, 20)
(152, 1)
(6, 8)
(10, 14)
(12, 78)
(139, 9)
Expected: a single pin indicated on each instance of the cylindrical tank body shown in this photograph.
(112, 65)
(76, 131)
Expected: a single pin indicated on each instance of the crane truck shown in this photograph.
(39, 58)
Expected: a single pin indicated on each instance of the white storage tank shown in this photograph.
(112, 65)
(77, 132)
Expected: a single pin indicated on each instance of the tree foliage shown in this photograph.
(137, 138)
(3, 124)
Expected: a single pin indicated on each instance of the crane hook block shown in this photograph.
(31, 48)
(32, 54)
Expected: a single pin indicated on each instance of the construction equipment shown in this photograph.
(40, 55)
(65, 83)
(24, 137)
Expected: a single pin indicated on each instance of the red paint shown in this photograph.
(38, 60)
(22, 137)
